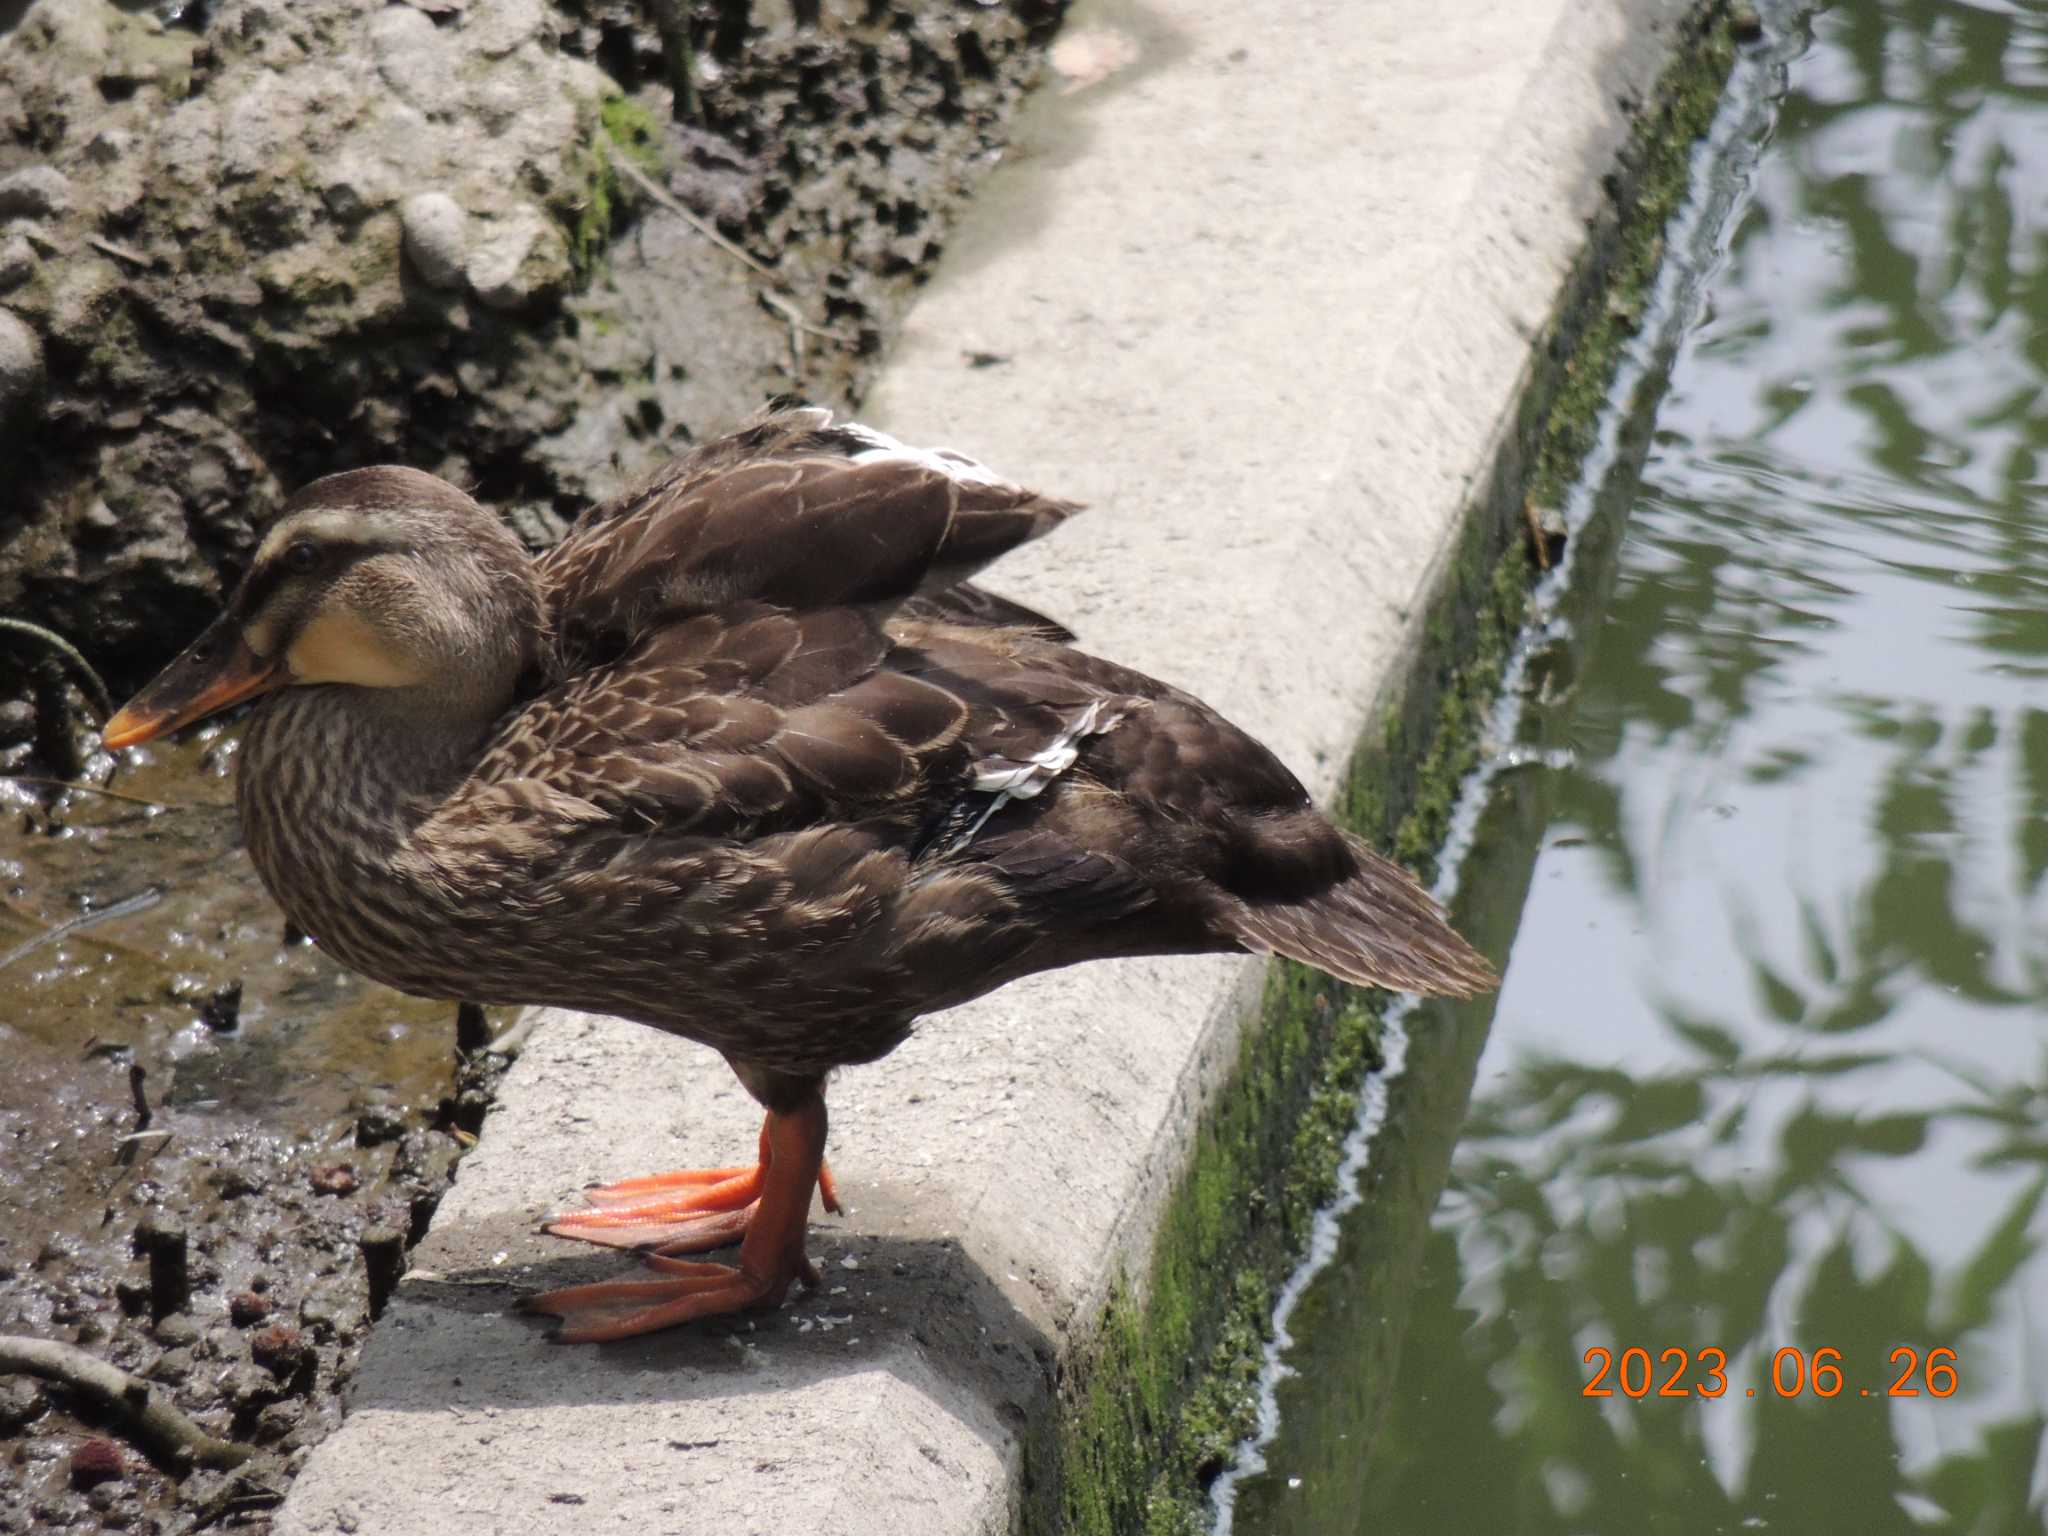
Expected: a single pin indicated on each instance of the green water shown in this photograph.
(1769, 1069)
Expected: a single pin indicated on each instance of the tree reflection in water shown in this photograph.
(1770, 1066)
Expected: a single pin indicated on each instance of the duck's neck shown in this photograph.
(334, 779)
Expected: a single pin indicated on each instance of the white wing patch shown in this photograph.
(884, 449)
(1007, 779)
(1023, 780)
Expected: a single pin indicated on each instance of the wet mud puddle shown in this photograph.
(1747, 1225)
(174, 1060)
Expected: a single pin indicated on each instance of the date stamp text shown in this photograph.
(1794, 1372)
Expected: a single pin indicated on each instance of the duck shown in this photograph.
(748, 756)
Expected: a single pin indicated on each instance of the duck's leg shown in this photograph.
(684, 1211)
(771, 1254)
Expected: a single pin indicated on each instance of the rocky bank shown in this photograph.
(248, 242)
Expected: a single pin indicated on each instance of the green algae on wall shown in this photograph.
(1165, 1390)
(623, 127)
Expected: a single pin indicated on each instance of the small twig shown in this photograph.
(140, 1146)
(777, 301)
(783, 307)
(141, 901)
(115, 794)
(64, 648)
(150, 1415)
(122, 252)
(655, 190)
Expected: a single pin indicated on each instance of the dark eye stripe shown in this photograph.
(263, 582)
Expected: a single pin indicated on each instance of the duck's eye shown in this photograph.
(302, 557)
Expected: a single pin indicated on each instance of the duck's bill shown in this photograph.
(216, 670)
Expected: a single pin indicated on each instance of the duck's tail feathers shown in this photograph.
(1376, 927)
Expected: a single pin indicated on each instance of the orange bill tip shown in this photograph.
(130, 727)
(217, 670)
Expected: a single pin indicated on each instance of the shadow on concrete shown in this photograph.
(457, 1340)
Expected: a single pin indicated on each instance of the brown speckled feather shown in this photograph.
(794, 511)
(777, 780)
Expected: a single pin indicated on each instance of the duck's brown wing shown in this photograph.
(738, 723)
(795, 511)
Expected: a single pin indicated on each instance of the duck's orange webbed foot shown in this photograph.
(769, 1204)
(686, 1211)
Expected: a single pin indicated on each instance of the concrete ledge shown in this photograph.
(1264, 297)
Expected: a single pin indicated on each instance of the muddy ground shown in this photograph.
(186, 1066)
(178, 1063)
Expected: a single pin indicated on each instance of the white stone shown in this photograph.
(437, 237)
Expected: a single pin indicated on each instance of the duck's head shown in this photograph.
(381, 579)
